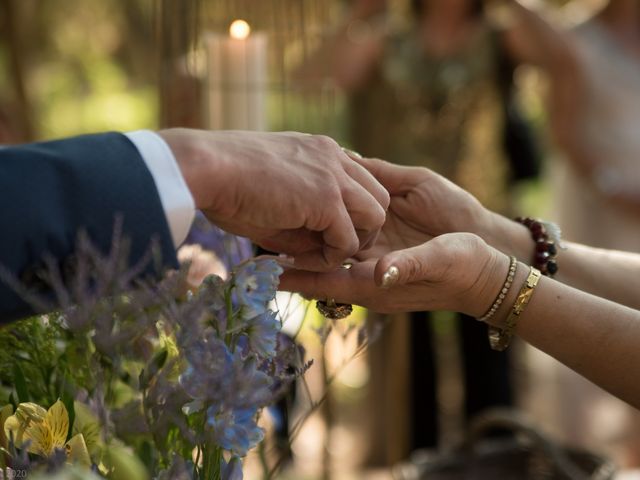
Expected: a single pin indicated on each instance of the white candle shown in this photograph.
(237, 79)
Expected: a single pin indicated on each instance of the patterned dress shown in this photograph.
(441, 113)
(446, 114)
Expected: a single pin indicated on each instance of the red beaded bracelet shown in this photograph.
(546, 250)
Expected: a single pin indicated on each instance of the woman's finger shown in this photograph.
(401, 267)
(353, 285)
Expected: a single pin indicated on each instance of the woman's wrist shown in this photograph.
(488, 284)
(499, 318)
(509, 237)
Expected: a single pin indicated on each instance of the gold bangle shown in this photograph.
(513, 265)
(500, 338)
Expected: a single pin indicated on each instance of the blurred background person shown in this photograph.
(435, 91)
(593, 105)
(593, 108)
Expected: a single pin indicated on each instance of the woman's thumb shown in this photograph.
(409, 265)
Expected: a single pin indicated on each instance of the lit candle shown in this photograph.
(237, 79)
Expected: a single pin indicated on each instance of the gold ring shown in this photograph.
(332, 310)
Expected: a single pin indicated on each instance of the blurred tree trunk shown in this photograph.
(180, 92)
(20, 109)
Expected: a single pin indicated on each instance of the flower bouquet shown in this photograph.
(132, 379)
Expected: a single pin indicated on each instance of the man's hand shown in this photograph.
(291, 193)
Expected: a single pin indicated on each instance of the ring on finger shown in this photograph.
(332, 310)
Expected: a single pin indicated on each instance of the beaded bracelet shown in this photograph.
(546, 250)
(513, 264)
(500, 338)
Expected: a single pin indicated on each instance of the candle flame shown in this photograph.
(239, 29)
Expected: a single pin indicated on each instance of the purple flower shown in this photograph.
(263, 333)
(231, 249)
(232, 470)
(250, 386)
(234, 430)
(214, 376)
(256, 283)
(286, 365)
(209, 367)
(178, 470)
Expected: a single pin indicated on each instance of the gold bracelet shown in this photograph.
(500, 338)
(513, 265)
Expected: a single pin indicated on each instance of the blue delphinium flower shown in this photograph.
(180, 469)
(232, 370)
(250, 386)
(231, 249)
(262, 332)
(207, 376)
(231, 387)
(256, 283)
(287, 364)
(234, 430)
(232, 470)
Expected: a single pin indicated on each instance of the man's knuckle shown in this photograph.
(371, 222)
(385, 200)
(332, 193)
(325, 142)
(352, 245)
(379, 217)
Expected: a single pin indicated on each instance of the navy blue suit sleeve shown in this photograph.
(50, 191)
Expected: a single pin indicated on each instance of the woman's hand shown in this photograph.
(457, 271)
(425, 202)
(425, 205)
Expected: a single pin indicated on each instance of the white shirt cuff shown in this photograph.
(175, 196)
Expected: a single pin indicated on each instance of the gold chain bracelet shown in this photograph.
(500, 338)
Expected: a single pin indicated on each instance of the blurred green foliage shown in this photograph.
(84, 66)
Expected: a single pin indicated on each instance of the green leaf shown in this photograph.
(67, 400)
(154, 366)
(5, 413)
(145, 453)
(143, 379)
(122, 464)
(20, 384)
(88, 425)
